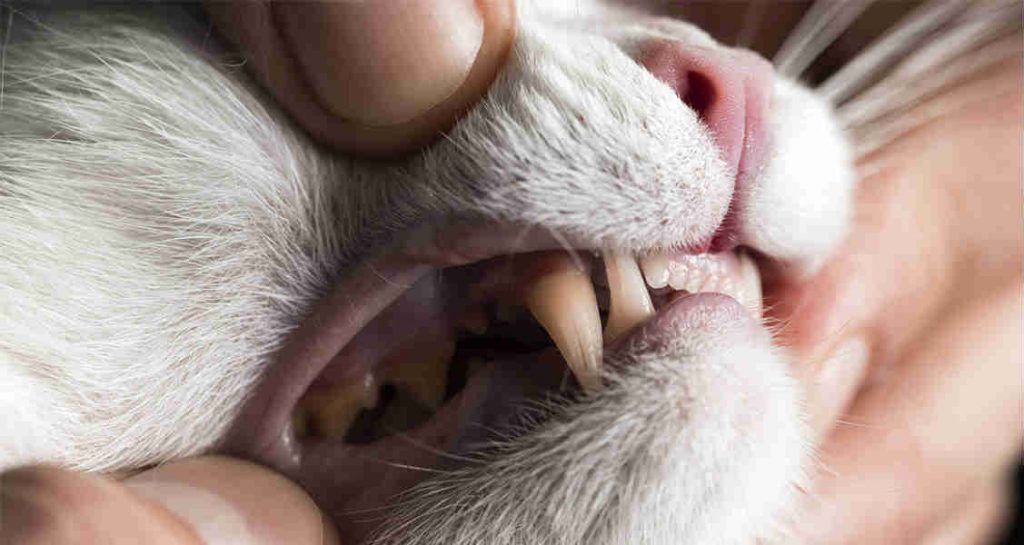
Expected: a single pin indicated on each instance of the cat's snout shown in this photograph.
(730, 89)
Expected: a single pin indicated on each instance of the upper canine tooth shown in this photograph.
(655, 267)
(630, 302)
(562, 299)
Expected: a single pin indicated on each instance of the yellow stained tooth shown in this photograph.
(630, 302)
(423, 370)
(562, 299)
(332, 412)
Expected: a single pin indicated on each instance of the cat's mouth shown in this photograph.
(448, 343)
(421, 351)
(434, 350)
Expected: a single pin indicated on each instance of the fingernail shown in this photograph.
(382, 63)
(213, 519)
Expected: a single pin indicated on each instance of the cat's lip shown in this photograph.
(368, 289)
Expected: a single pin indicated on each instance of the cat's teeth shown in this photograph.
(695, 273)
(734, 275)
(424, 375)
(330, 413)
(655, 267)
(562, 299)
(630, 302)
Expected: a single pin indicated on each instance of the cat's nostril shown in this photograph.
(697, 92)
(729, 89)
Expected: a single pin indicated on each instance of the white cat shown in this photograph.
(166, 233)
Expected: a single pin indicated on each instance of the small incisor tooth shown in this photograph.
(630, 302)
(655, 267)
(331, 413)
(562, 299)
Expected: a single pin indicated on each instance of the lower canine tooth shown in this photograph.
(630, 302)
(562, 299)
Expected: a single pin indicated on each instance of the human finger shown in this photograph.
(208, 500)
(43, 505)
(372, 77)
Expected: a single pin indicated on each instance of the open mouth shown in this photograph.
(448, 342)
(421, 351)
(417, 362)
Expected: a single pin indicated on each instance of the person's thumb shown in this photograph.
(206, 500)
(230, 501)
(373, 77)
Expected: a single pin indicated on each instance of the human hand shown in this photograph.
(375, 78)
(206, 500)
(920, 424)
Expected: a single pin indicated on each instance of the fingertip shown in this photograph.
(42, 504)
(382, 63)
(227, 500)
(373, 78)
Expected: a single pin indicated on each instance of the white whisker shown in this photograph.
(3, 53)
(824, 27)
(423, 446)
(568, 248)
(974, 40)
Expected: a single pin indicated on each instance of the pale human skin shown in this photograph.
(931, 277)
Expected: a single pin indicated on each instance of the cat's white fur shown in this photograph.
(163, 227)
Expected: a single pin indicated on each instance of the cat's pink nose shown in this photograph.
(730, 89)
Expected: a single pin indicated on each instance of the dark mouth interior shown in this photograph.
(476, 308)
(512, 334)
(481, 290)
